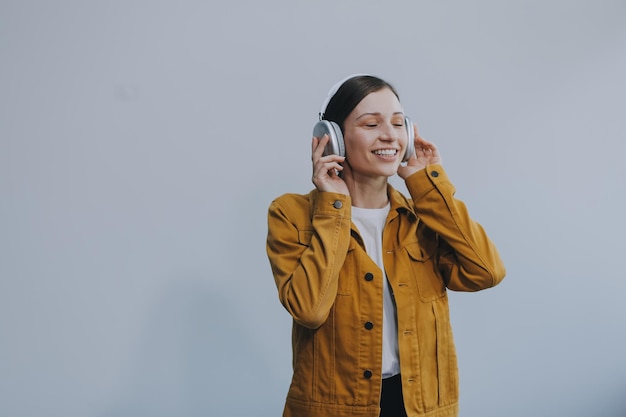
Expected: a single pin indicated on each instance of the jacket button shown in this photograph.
(369, 325)
(434, 174)
(369, 276)
(337, 204)
(367, 374)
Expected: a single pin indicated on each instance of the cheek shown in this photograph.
(354, 143)
(403, 138)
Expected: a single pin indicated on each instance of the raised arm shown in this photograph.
(307, 245)
(468, 259)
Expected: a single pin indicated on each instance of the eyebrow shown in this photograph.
(377, 114)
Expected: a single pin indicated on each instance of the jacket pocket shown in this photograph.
(430, 284)
(305, 236)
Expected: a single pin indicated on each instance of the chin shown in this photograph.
(392, 171)
(388, 173)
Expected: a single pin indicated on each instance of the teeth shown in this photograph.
(386, 152)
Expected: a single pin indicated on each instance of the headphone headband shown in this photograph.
(333, 91)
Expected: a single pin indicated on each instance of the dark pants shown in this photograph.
(391, 402)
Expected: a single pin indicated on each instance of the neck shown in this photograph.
(368, 194)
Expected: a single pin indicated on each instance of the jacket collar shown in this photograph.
(399, 203)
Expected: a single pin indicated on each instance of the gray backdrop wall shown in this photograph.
(142, 141)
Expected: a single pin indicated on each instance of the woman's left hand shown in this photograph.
(426, 153)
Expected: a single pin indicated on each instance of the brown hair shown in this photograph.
(350, 94)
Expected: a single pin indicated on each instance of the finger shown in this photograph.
(334, 172)
(314, 144)
(427, 148)
(326, 171)
(431, 150)
(421, 142)
(326, 165)
(327, 159)
(319, 146)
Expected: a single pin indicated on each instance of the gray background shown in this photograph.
(142, 141)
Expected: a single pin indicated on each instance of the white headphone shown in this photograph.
(333, 91)
(336, 144)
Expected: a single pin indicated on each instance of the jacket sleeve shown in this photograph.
(468, 259)
(306, 260)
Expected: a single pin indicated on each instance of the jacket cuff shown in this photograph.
(426, 180)
(334, 204)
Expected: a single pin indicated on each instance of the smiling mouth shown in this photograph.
(386, 152)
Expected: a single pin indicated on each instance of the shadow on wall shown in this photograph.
(194, 358)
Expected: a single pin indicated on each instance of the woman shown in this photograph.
(363, 270)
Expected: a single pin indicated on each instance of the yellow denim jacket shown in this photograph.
(334, 292)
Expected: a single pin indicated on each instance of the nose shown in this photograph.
(388, 132)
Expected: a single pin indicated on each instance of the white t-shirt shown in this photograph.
(370, 223)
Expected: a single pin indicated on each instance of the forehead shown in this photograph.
(382, 101)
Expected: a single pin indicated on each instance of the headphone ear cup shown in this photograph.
(410, 146)
(335, 145)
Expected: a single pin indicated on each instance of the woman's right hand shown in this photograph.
(326, 168)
